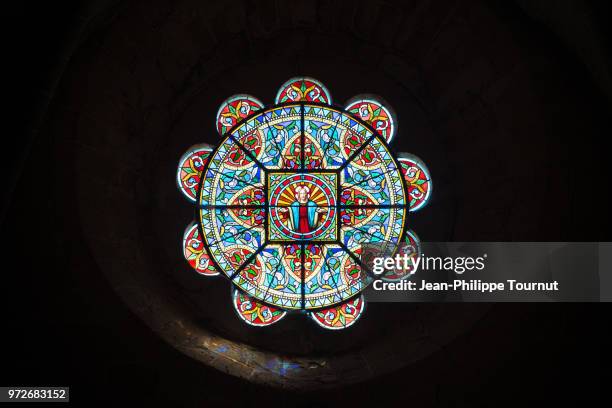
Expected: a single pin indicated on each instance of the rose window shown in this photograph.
(289, 197)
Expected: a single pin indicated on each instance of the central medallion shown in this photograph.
(302, 206)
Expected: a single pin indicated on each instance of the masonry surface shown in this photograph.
(483, 100)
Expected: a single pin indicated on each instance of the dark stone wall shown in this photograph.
(507, 118)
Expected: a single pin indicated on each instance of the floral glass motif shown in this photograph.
(287, 200)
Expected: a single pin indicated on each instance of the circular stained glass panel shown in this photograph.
(289, 198)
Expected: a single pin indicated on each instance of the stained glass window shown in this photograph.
(290, 196)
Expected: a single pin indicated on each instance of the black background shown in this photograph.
(68, 330)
